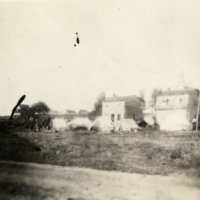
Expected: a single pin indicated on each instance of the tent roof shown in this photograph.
(121, 98)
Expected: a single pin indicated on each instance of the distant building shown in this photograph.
(20, 108)
(53, 112)
(126, 107)
(182, 103)
(83, 112)
(70, 112)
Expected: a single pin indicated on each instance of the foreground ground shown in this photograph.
(25, 181)
(146, 152)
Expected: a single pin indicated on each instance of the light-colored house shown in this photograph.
(124, 107)
(180, 105)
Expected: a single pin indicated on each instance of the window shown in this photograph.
(134, 116)
(113, 117)
(118, 117)
(165, 101)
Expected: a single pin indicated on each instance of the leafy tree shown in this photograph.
(97, 110)
(40, 108)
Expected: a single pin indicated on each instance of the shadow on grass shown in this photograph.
(14, 189)
(15, 148)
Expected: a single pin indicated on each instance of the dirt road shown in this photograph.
(33, 181)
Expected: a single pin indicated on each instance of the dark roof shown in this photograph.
(24, 106)
(71, 111)
(83, 111)
(178, 92)
(122, 98)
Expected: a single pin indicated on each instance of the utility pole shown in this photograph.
(197, 112)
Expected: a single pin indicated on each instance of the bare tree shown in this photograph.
(154, 94)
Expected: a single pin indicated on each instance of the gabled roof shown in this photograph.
(24, 106)
(71, 111)
(121, 98)
(83, 111)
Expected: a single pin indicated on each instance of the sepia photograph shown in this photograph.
(100, 100)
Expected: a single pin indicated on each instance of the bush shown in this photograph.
(175, 154)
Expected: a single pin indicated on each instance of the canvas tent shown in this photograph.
(59, 124)
(149, 120)
(176, 122)
(126, 125)
(103, 124)
(80, 123)
(149, 116)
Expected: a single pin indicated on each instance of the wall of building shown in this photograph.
(161, 115)
(192, 105)
(185, 102)
(116, 108)
(169, 102)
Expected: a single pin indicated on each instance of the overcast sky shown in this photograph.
(124, 46)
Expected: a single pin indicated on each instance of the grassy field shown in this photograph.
(146, 152)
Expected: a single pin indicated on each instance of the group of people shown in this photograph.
(37, 124)
(194, 124)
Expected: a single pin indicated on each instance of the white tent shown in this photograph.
(126, 125)
(59, 124)
(148, 116)
(175, 122)
(80, 123)
(103, 124)
(149, 119)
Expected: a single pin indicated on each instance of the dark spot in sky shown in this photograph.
(18, 103)
(77, 39)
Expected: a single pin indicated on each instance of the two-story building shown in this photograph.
(179, 105)
(124, 107)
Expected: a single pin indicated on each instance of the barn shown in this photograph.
(123, 107)
(178, 106)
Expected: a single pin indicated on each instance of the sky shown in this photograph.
(125, 47)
